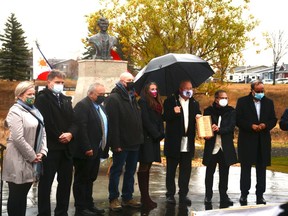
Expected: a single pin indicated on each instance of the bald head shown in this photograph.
(125, 78)
(126, 75)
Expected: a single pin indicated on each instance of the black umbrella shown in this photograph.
(170, 69)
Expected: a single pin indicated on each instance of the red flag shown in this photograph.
(114, 55)
(41, 67)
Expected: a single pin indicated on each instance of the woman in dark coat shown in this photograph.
(153, 130)
(219, 148)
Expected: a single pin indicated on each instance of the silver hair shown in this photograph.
(93, 86)
(22, 87)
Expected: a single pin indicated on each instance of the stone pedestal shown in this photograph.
(106, 72)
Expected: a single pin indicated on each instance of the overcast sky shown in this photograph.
(59, 25)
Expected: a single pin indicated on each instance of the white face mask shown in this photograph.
(188, 93)
(57, 88)
(223, 102)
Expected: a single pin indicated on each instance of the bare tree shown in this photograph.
(279, 44)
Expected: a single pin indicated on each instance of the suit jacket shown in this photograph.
(227, 126)
(90, 132)
(175, 126)
(249, 141)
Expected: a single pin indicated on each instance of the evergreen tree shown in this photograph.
(14, 54)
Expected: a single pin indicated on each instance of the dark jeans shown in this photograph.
(184, 174)
(129, 159)
(85, 173)
(223, 175)
(17, 199)
(55, 162)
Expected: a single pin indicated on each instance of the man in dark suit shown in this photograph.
(180, 111)
(255, 117)
(90, 142)
(58, 114)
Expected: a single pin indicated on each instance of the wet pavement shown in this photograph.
(276, 194)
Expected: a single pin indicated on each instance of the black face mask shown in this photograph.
(130, 85)
(100, 99)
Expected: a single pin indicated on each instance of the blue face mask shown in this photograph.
(259, 96)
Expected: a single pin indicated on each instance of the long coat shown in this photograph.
(227, 126)
(249, 141)
(153, 131)
(175, 126)
(90, 131)
(57, 119)
(17, 164)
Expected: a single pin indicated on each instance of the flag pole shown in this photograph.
(43, 55)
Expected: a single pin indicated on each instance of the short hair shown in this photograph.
(22, 87)
(255, 83)
(184, 81)
(55, 73)
(92, 87)
(218, 92)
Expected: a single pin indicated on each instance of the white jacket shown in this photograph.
(17, 164)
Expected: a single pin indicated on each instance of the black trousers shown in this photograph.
(185, 167)
(17, 199)
(85, 173)
(55, 162)
(223, 175)
(245, 179)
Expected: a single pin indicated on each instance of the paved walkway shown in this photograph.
(276, 194)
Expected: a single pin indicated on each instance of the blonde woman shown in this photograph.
(26, 146)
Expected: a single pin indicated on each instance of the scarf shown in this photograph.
(37, 167)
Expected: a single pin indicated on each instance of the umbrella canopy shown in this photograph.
(170, 69)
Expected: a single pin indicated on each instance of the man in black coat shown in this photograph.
(180, 112)
(219, 148)
(90, 142)
(58, 114)
(255, 117)
(125, 137)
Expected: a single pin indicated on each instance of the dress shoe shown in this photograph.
(185, 200)
(84, 212)
(207, 201)
(226, 202)
(96, 210)
(171, 200)
(243, 200)
(260, 200)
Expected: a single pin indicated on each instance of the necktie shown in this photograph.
(103, 142)
(58, 100)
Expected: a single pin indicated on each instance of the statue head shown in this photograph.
(103, 24)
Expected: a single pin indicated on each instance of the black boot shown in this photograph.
(143, 181)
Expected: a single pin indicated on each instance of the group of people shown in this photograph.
(49, 136)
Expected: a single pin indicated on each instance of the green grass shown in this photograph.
(279, 164)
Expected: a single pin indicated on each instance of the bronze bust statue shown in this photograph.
(102, 41)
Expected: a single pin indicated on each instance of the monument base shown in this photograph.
(106, 72)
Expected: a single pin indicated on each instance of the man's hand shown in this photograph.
(177, 109)
(255, 127)
(65, 137)
(118, 149)
(89, 153)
